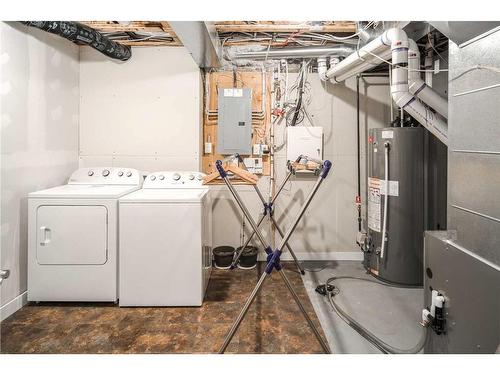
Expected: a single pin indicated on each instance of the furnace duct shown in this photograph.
(78, 33)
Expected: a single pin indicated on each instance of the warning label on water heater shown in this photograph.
(374, 210)
(377, 188)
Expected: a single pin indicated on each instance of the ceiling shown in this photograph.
(272, 33)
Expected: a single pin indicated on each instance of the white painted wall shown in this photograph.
(328, 230)
(143, 113)
(39, 94)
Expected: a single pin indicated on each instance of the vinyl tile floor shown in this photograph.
(273, 324)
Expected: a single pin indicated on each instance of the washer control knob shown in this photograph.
(162, 177)
(129, 174)
(120, 173)
(191, 177)
(91, 173)
(105, 173)
(199, 177)
(153, 177)
(176, 176)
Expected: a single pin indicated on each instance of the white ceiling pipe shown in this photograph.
(418, 87)
(364, 58)
(404, 99)
(322, 68)
(365, 66)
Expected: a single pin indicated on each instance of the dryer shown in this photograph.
(166, 241)
(73, 236)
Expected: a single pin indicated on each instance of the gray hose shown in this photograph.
(380, 344)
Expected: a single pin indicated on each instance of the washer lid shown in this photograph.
(166, 196)
(84, 191)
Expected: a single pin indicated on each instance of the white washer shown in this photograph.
(73, 236)
(166, 241)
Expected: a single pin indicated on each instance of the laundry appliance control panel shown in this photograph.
(174, 179)
(106, 176)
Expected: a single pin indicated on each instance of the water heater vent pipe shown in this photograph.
(418, 87)
(392, 43)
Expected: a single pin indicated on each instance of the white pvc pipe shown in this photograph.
(390, 39)
(393, 43)
(322, 68)
(386, 200)
(418, 87)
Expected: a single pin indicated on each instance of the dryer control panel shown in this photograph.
(105, 176)
(174, 179)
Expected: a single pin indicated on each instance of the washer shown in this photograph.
(73, 236)
(166, 241)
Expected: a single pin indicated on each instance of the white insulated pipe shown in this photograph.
(405, 99)
(418, 87)
(392, 43)
(364, 58)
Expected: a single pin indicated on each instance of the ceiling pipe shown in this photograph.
(296, 53)
(404, 98)
(79, 33)
(365, 58)
(418, 87)
(393, 44)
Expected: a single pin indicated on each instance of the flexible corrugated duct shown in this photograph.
(78, 33)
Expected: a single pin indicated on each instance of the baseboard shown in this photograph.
(334, 255)
(12, 306)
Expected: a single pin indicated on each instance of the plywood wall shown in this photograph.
(261, 105)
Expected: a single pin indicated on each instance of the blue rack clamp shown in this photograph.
(327, 164)
(273, 261)
(220, 169)
(268, 207)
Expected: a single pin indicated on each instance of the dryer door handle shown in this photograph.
(44, 236)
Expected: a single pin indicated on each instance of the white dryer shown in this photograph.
(166, 241)
(73, 236)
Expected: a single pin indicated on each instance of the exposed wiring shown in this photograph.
(402, 67)
(434, 49)
(477, 67)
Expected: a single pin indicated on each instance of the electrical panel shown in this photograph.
(234, 126)
(304, 140)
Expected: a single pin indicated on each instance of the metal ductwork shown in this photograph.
(291, 53)
(201, 40)
(78, 33)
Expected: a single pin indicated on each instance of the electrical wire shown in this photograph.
(402, 67)
(384, 347)
(477, 67)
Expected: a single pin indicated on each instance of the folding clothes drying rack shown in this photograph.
(273, 257)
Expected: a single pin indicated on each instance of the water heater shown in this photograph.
(396, 256)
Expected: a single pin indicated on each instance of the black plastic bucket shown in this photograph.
(248, 258)
(223, 256)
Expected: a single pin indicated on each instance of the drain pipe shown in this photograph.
(418, 87)
(79, 33)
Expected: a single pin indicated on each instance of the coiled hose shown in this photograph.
(380, 344)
